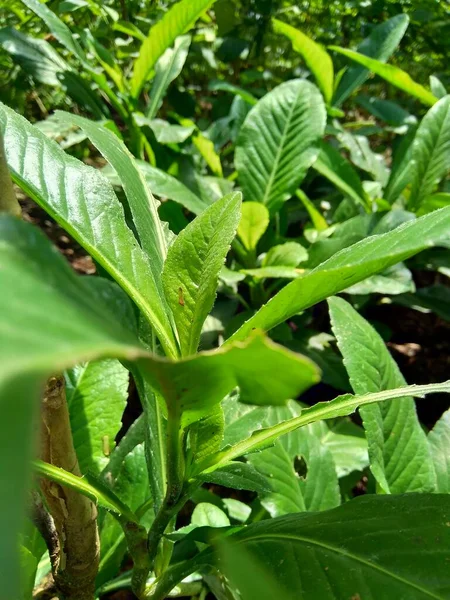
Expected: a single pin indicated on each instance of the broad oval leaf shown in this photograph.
(82, 201)
(253, 223)
(349, 266)
(191, 271)
(430, 155)
(278, 142)
(176, 21)
(316, 57)
(399, 455)
(380, 44)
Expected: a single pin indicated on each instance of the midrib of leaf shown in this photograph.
(278, 152)
(341, 406)
(344, 553)
(132, 291)
(436, 149)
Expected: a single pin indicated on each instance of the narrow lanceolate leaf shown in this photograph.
(96, 394)
(315, 56)
(391, 74)
(439, 440)
(341, 406)
(430, 158)
(179, 19)
(98, 493)
(142, 204)
(278, 142)
(83, 202)
(65, 324)
(399, 455)
(366, 548)
(167, 69)
(349, 266)
(191, 271)
(59, 29)
(380, 44)
(332, 165)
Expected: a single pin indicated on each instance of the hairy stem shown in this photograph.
(74, 515)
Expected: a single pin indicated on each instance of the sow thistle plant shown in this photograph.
(222, 416)
(227, 416)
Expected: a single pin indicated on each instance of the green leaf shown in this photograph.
(399, 455)
(253, 224)
(380, 44)
(433, 202)
(332, 165)
(289, 254)
(209, 515)
(36, 57)
(139, 196)
(163, 185)
(362, 156)
(278, 142)
(81, 201)
(176, 21)
(206, 148)
(391, 74)
(437, 87)
(275, 272)
(347, 267)
(341, 406)
(191, 271)
(315, 56)
(166, 133)
(301, 471)
(100, 495)
(439, 440)
(316, 217)
(238, 476)
(393, 280)
(226, 86)
(59, 29)
(430, 157)
(194, 385)
(389, 112)
(167, 69)
(365, 548)
(96, 395)
(131, 485)
(434, 298)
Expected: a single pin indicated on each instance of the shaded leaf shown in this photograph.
(439, 440)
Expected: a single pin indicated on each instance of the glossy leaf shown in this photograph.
(437, 87)
(239, 476)
(176, 21)
(332, 165)
(348, 267)
(365, 547)
(167, 69)
(36, 57)
(380, 44)
(96, 395)
(58, 28)
(191, 271)
(315, 56)
(315, 488)
(430, 157)
(391, 74)
(341, 406)
(439, 440)
(399, 455)
(289, 254)
(139, 196)
(82, 202)
(166, 133)
(393, 280)
(253, 223)
(278, 142)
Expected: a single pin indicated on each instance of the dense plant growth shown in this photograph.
(223, 218)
